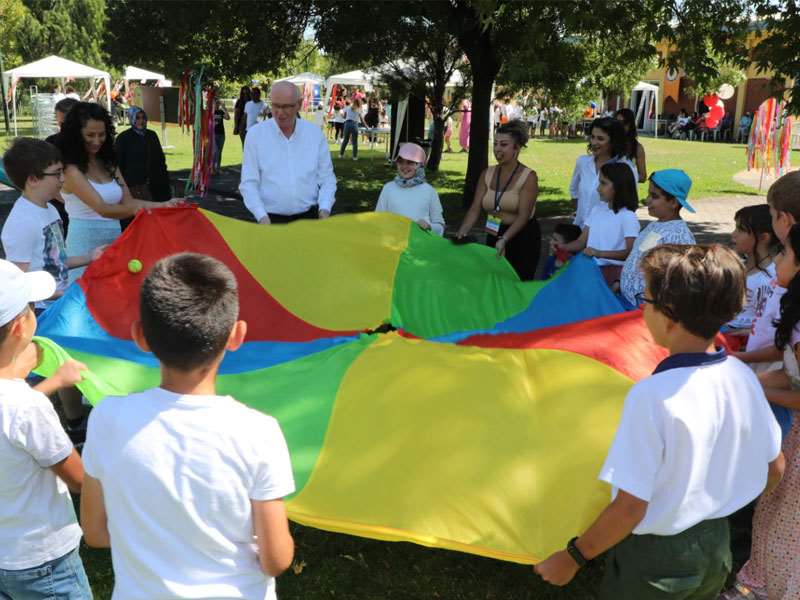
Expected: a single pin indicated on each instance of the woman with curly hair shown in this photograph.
(95, 194)
(606, 143)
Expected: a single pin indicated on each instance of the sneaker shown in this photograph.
(355, 158)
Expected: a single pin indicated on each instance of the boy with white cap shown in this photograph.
(39, 534)
(666, 196)
(409, 194)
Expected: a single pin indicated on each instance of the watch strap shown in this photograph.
(576, 554)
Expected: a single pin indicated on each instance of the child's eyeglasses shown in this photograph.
(59, 173)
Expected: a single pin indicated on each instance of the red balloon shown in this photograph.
(716, 112)
(712, 122)
(710, 100)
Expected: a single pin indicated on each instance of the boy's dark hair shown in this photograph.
(65, 105)
(568, 231)
(29, 157)
(790, 301)
(189, 304)
(756, 221)
(784, 194)
(700, 287)
(625, 193)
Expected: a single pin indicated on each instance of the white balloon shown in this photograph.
(726, 91)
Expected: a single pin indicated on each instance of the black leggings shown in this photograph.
(523, 250)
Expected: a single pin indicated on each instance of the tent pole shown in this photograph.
(3, 92)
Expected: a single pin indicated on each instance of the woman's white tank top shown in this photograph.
(110, 192)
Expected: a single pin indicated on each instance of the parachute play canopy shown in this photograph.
(479, 425)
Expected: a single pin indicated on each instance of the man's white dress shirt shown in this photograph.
(286, 176)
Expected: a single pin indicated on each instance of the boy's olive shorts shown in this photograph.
(691, 565)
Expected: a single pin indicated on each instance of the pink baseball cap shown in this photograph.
(412, 152)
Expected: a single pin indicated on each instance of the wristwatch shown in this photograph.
(576, 554)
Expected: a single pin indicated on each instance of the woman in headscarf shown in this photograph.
(409, 195)
(141, 160)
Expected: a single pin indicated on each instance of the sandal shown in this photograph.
(739, 592)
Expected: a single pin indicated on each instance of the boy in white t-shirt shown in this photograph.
(32, 235)
(696, 442)
(186, 486)
(39, 535)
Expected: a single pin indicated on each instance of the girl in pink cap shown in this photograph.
(409, 194)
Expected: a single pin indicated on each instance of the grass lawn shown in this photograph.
(345, 567)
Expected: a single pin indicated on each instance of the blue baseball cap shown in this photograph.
(674, 182)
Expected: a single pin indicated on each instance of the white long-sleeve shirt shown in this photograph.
(286, 176)
(420, 202)
(583, 187)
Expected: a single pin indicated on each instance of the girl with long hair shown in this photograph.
(239, 121)
(633, 149)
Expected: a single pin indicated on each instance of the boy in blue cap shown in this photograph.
(666, 196)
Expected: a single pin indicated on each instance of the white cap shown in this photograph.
(18, 288)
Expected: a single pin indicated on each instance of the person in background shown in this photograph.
(319, 117)
(338, 121)
(409, 195)
(70, 92)
(508, 193)
(352, 119)
(239, 119)
(466, 123)
(254, 110)
(634, 150)
(220, 116)
(62, 107)
(142, 162)
(744, 127)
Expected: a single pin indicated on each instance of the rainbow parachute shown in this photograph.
(480, 425)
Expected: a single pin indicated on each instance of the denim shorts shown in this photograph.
(59, 579)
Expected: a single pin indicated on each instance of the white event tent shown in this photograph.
(58, 68)
(304, 78)
(647, 93)
(139, 74)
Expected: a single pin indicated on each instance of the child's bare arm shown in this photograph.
(576, 245)
(275, 543)
(767, 354)
(775, 474)
(94, 520)
(66, 376)
(70, 471)
(613, 525)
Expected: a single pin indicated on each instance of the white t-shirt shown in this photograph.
(759, 289)
(763, 332)
(654, 234)
(583, 186)
(694, 441)
(37, 519)
(253, 110)
(178, 475)
(32, 234)
(417, 202)
(608, 230)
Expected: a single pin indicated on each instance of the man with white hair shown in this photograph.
(287, 172)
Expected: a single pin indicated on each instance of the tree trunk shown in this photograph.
(437, 143)
(484, 66)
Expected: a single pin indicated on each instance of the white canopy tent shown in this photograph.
(641, 97)
(139, 74)
(304, 78)
(58, 68)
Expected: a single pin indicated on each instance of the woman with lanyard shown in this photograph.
(507, 192)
